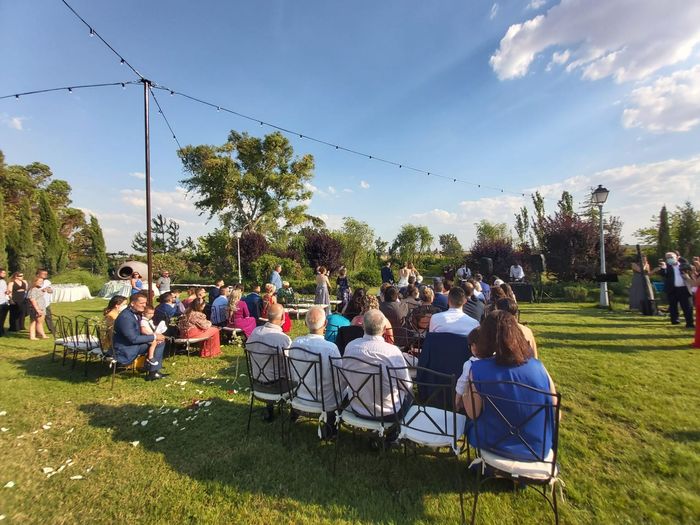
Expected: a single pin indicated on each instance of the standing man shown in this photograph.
(4, 300)
(516, 273)
(675, 275)
(387, 274)
(129, 343)
(163, 282)
(48, 291)
(463, 273)
(276, 278)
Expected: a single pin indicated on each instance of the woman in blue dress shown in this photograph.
(344, 291)
(322, 297)
(136, 283)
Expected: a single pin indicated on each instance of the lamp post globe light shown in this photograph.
(599, 196)
(238, 242)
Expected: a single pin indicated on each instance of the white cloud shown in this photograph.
(494, 11)
(671, 103)
(347, 190)
(625, 39)
(332, 190)
(333, 221)
(437, 215)
(364, 184)
(536, 4)
(16, 123)
(138, 175)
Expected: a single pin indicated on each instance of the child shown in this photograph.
(472, 340)
(148, 328)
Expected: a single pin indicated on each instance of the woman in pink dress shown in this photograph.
(195, 324)
(238, 314)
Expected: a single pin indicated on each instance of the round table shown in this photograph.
(122, 287)
(68, 293)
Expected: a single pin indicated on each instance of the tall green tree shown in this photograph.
(490, 231)
(3, 234)
(522, 225)
(25, 248)
(165, 236)
(251, 183)
(357, 239)
(566, 203)
(412, 243)
(538, 220)
(688, 230)
(52, 246)
(450, 246)
(98, 249)
(664, 242)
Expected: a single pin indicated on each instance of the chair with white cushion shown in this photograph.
(307, 396)
(528, 427)
(431, 423)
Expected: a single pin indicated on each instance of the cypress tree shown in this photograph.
(3, 235)
(688, 231)
(98, 248)
(25, 249)
(52, 244)
(664, 243)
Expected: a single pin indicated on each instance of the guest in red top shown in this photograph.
(195, 324)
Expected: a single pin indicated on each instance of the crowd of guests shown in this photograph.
(22, 298)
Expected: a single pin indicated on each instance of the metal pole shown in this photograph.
(603, 286)
(147, 147)
(240, 280)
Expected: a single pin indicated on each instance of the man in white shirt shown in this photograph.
(516, 273)
(454, 320)
(4, 300)
(314, 342)
(463, 273)
(48, 292)
(163, 282)
(266, 371)
(373, 349)
(219, 307)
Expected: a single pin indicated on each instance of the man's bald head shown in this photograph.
(373, 322)
(315, 319)
(275, 313)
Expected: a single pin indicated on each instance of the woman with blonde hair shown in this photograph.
(268, 298)
(238, 313)
(370, 302)
(37, 310)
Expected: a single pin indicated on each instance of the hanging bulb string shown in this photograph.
(167, 122)
(70, 88)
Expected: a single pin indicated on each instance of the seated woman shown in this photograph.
(269, 298)
(114, 308)
(191, 296)
(238, 314)
(354, 307)
(370, 302)
(195, 324)
(512, 361)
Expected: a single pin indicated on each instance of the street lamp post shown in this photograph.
(238, 242)
(599, 196)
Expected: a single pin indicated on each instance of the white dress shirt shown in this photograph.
(677, 277)
(272, 335)
(373, 349)
(47, 295)
(454, 321)
(318, 345)
(4, 298)
(516, 272)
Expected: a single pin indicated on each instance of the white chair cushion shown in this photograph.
(537, 470)
(425, 432)
(352, 419)
(306, 406)
(191, 340)
(267, 396)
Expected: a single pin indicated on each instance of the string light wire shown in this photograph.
(70, 88)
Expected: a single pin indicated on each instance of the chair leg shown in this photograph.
(87, 360)
(114, 374)
(460, 481)
(250, 415)
(337, 441)
(476, 494)
(555, 505)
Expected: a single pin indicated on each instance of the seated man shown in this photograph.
(219, 307)
(315, 343)
(454, 320)
(440, 299)
(394, 310)
(373, 349)
(266, 371)
(516, 273)
(254, 302)
(285, 295)
(473, 307)
(485, 288)
(128, 343)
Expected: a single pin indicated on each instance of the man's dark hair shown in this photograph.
(447, 284)
(391, 294)
(507, 305)
(468, 289)
(40, 270)
(439, 287)
(456, 297)
(478, 277)
(411, 279)
(163, 298)
(388, 263)
(138, 296)
(222, 288)
(411, 290)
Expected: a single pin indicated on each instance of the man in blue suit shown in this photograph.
(387, 274)
(129, 343)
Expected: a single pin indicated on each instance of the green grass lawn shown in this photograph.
(629, 452)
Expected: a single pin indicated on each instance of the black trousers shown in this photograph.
(680, 295)
(4, 309)
(17, 315)
(48, 318)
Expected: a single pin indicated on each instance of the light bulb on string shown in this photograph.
(92, 32)
(123, 85)
(70, 90)
(17, 97)
(122, 61)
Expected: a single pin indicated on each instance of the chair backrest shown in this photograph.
(219, 315)
(420, 318)
(444, 353)
(69, 332)
(433, 404)
(266, 363)
(59, 332)
(516, 421)
(358, 384)
(406, 338)
(347, 334)
(306, 375)
(86, 332)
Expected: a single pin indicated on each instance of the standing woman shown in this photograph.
(344, 290)
(641, 285)
(17, 290)
(404, 272)
(322, 296)
(195, 324)
(37, 310)
(136, 283)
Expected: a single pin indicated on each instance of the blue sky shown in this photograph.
(523, 95)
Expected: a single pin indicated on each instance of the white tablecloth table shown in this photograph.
(68, 293)
(122, 287)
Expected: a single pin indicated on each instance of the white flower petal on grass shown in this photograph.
(77, 477)
(69, 461)
(134, 423)
(47, 470)
(144, 422)
(2, 517)
(134, 443)
(3, 429)
(9, 484)
(160, 438)
(60, 469)
(46, 427)
(3, 413)
(175, 422)
(175, 411)
(70, 431)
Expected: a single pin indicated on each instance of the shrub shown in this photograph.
(92, 281)
(577, 294)
(322, 249)
(366, 278)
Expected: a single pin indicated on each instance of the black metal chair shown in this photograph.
(431, 422)
(59, 335)
(359, 390)
(267, 372)
(108, 356)
(307, 395)
(347, 334)
(529, 425)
